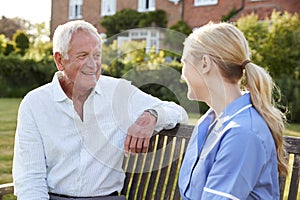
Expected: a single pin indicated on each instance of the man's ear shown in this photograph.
(206, 64)
(59, 61)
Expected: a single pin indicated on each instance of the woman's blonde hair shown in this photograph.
(229, 49)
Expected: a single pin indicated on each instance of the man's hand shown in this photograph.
(139, 134)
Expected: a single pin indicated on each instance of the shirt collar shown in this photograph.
(97, 88)
(59, 94)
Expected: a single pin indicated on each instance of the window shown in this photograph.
(205, 2)
(146, 5)
(108, 7)
(150, 36)
(75, 9)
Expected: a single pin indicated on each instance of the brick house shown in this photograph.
(94, 10)
(194, 12)
(199, 12)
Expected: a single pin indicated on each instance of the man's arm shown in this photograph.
(29, 165)
(156, 115)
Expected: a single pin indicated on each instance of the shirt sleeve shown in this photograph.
(238, 165)
(29, 165)
(169, 113)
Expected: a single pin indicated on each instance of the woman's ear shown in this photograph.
(59, 61)
(206, 64)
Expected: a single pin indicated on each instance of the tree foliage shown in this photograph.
(281, 51)
(274, 42)
(275, 45)
(21, 41)
(9, 48)
(129, 19)
(2, 43)
(176, 37)
(9, 26)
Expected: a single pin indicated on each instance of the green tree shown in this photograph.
(181, 27)
(129, 19)
(122, 20)
(21, 41)
(2, 43)
(281, 50)
(175, 38)
(9, 26)
(275, 45)
(274, 42)
(9, 48)
(256, 32)
(156, 18)
(40, 44)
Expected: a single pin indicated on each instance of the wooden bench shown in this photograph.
(154, 175)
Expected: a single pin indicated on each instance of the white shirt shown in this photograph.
(56, 151)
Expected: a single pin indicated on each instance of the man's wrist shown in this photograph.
(152, 112)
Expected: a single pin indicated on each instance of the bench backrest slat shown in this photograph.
(294, 184)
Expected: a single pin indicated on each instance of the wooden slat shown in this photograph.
(293, 191)
(144, 177)
(151, 156)
(282, 181)
(183, 149)
(129, 174)
(166, 160)
(178, 155)
(292, 144)
(136, 177)
(156, 171)
(7, 188)
(181, 130)
(172, 168)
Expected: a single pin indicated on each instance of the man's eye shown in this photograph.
(82, 56)
(98, 55)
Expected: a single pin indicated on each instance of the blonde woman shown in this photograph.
(236, 149)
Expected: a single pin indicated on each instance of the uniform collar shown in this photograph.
(236, 105)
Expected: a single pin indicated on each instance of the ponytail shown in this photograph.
(261, 87)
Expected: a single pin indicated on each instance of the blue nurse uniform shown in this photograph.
(231, 157)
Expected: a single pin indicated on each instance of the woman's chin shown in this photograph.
(191, 96)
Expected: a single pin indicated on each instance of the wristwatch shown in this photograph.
(152, 112)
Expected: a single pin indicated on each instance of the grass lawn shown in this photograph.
(8, 116)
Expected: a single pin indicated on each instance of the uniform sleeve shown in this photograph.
(29, 168)
(238, 165)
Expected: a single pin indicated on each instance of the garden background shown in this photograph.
(26, 63)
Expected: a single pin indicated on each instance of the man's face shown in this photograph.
(83, 68)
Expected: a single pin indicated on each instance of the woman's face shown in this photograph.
(194, 79)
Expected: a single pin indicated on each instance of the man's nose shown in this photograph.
(91, 61)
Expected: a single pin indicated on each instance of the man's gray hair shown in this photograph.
(63, 34)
